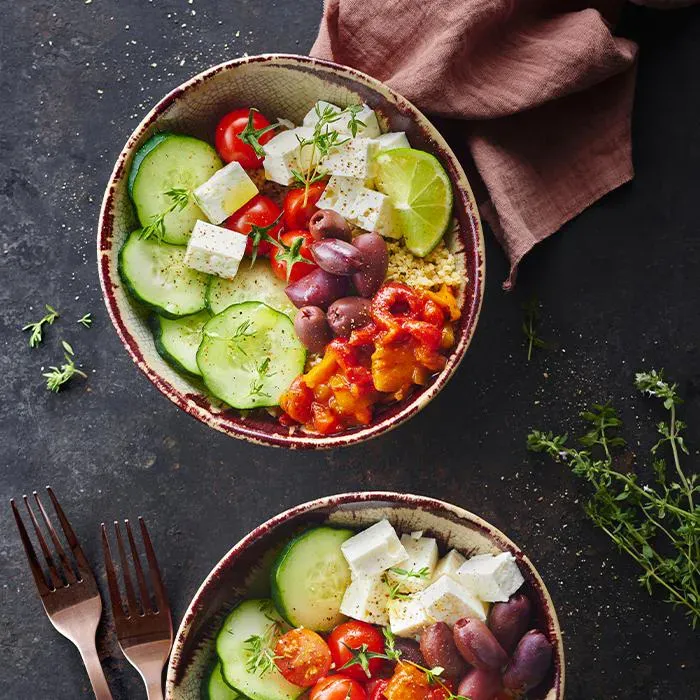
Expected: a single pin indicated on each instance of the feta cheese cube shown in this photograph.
(312, 116)
(449, 565)
(373, 550)
(373, 211)
(407, 618)
(352, 158)
(448, 601)
(215, 250)
(226, 191)
(491, 577)
(391, 140)
(340, 194)
(365, 115)
(418, 565)
(284, 153)
(367, 598)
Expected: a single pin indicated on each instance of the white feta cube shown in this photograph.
(340, 195)
(284, 153)
(448, 601)
(415, 572)
(374, 550)
(491, 577)
(215, 250)
(407, 618)
(391, 140)
(312, 116)
(449, 565)
(367, 598)
(352, 158)
(226, 191)
(373, 211)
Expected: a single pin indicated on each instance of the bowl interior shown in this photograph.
(244, 571)
(280, 86)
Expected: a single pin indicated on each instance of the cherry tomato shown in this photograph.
(302, 657)
(229, 145)
(378, 686)
(337, 688)
(352, 635)
(297, 212)
(294, 254)
(259, 211)
(441, 692)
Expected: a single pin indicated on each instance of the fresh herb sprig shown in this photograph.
(180, 198)
(57, 377)
(396, 588)
(257, 383)
(37, 329)
(657, 525)
(259, 648)
(85, 320)
(530, 324)
(251, 135)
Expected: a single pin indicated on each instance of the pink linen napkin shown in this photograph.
(544, 87)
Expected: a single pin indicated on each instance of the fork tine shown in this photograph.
(67, 565)
(143, 588)
(158, 587)
(83, 566)
(114, 595)
(56, 580)
(34, 565)
(132, 605)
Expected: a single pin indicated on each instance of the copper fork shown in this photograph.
(144, 631)
(69, 594)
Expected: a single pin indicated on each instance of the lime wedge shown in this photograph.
(420, 191)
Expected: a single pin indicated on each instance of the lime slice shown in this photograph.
(420, 191)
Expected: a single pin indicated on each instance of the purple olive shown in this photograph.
(337, 257)
(438, 647)
(477, 645)
(479, 684)
(312, 328)
(326, 223)
(410, 650)
(347, 314)
(376, 258)
(318, 288)
(530, 662)
(509, 621)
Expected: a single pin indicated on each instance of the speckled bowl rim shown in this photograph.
(329, 502)
(297, 440)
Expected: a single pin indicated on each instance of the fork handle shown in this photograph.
(95, 672)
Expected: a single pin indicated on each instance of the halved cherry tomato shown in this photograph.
(229, 145)
(353, 635)
(260, 211)
(376, 688)
(337, 688)
(297, 212)
(293, 256)
(302, 657)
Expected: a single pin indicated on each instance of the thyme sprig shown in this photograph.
(260, 647)
(85, 320)
(57, 377)
(257, 383)
(180, 198)
(658, 525)
(37, 328)
(251, 135)
(530, 324)
(396, 588)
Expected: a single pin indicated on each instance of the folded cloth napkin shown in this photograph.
(545, 87)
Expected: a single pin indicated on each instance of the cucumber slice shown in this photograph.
(309, 579)
(177, 340)
(216, 688)
(175, 162)
(252, 618)
(155, 273)
(250, 355)
(140, 155)
(256, 283)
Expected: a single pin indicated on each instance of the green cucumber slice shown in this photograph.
(252, 618)
(216, 688)
(249, 355)
(175, 162)
(155, 273)
(309, 579)
(177, 340)
(140, 155)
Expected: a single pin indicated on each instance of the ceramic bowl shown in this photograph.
(281, 86)
(244, 571)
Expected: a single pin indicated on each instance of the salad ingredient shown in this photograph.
(309, 578)
(340, 195)
(337, 687)
(326, 223)
(156, 274)
(421, 193)
(56, 377)
(480, 684)
(529, 664)
(37, 329)
(493, 577)
(407, 617)
(449, 565)
(391, 140)
(300, 205)
(318, 288)
(351, 158)
(415, 572)
(352, 120)
(285, 158)
(85, 320)
(226, 191)
(351, 637)
(438, 648)
(336, 256)
(347, 314)
(177, 340)
(376, 258)
(215, 250)
(367, 599)
(147, 147)
(165, 177)
(374, 550)
(408, 683)
(509, 621)
(302, 657)
(374, 211)
(258, 213)
(409, 650)
(478, 646)
(447, 600)
(532, 317)
(376, 687)
(437, 269)
(216, 688)
(229, 144)
(249, 354)
(312, 328)
(292, 258)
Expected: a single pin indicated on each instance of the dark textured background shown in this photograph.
(619, 290)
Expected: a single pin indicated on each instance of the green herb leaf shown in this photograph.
(37, 329)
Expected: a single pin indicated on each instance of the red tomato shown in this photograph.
(297, 212)
(230, 146)
(259, 211)
(337, 688)
(441, 691)
(302, 657)
(292, 256)
(352, 635)
(377, 688)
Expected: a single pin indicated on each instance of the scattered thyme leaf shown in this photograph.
(58, 376)
(85, 320)
(532, 318)
(37, 329)
(180, 198)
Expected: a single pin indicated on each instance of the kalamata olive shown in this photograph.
(480, 684)
(438, 648)
(318, 288)
(326, 223)
(347, 314)
(312, 328)
(410, 651)
(529, 664)
(477, 645)
(509, 621)
(337, 257)
(376, 258)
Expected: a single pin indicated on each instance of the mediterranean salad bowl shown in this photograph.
(370, 596)
(291, 253)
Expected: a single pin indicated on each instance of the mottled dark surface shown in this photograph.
(619, 291)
